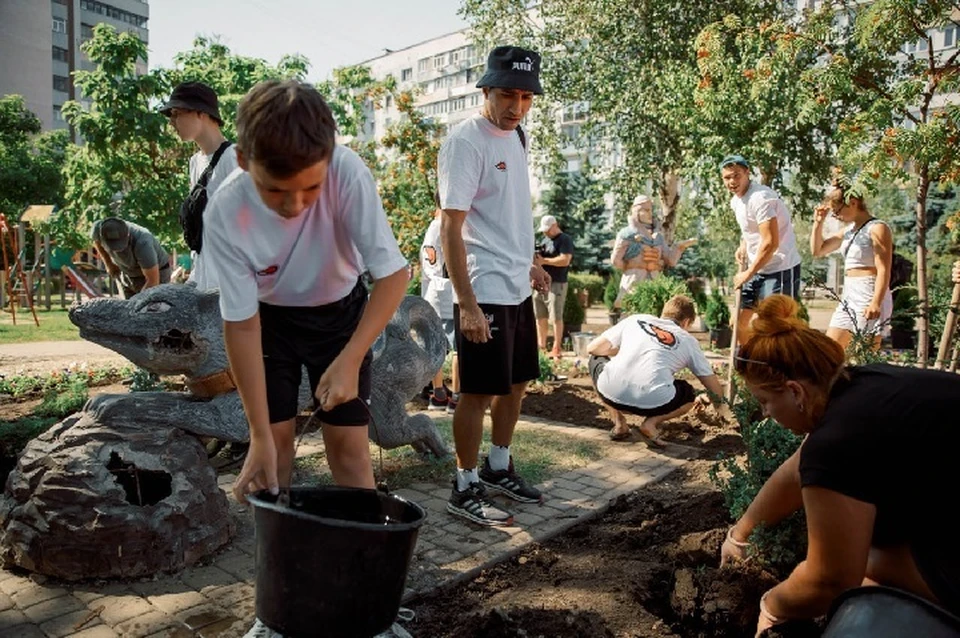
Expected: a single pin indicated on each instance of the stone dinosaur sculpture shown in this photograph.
(176, 329)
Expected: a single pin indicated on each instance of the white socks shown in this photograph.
(499, 457)
(466, 477)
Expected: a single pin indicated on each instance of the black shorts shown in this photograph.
(684, 393)
(759, 287)
(510, 357)
(311, 337)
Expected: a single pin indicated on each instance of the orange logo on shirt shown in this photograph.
(269, 270)
(431, 254)
(501, 166)
(664, 337)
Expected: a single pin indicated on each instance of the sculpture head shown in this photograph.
(167, 329)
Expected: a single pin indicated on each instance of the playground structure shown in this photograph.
(31, 277)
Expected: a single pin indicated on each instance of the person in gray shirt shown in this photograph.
(131, 254)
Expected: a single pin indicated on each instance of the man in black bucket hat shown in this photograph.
(194, 97)
(487, 238)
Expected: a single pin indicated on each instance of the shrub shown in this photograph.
(717, 314)
(768, 445)
(546, 367)
(695, 288)
(573, 312)
(413, 287)
(63, 400)
(648, 297)
(612, 289)
(145, 381)
(590, 282)
(905, 309)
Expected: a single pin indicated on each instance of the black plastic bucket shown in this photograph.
(334, 561)
(885, 612)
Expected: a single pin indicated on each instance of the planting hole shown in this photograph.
(143, 487)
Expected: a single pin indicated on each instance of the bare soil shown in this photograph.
(648, 567)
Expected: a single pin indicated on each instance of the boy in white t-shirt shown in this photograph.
(290, 236)
(768, 246)
(487, 236)
(633, 364)
(436, 289)
(194, 112)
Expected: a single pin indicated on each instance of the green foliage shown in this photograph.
(648, 297)
(26, 386)
(905, 309)
(30, 161)
(612, 289)
(768, 446)
(592, 283)
(576, 200)
(546, 367)
(573, 312)
(717, 314)
(14, 435)
(64, 399)
(145, 381)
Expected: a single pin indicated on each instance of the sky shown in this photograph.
(330, 33)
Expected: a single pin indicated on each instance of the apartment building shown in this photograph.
(40, 47)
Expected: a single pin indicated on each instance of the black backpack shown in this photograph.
(191, 211)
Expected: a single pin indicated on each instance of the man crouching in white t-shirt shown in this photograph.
(633, 365)
(487, 235)
(290, 236)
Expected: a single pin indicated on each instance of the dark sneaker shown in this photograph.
(472, 504)
(452, 403)
(509, 483)
(437, 404)
(427, 391)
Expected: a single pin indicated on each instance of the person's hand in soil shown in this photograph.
(733, 550)
(259, 469)
(766, 620)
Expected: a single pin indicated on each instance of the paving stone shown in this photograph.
(230, 595)
(207, 577)
(602, 484)
(239, 565)
(225, 629)
(66, 625)
(568, 495)
(436, 504)
(6, 574)
(15, 583)
(12, 617)
(98, 631)
(527, 519)
(117, 609)
(174, 602)
(246, 545)
(149, 623)
(594, 492)
(88, 594)
(53, 608)
(203, 615)
(175, 631)
(21, 631)
(567, 484)
(442, 556)
(5, 602)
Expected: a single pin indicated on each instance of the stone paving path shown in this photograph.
(216, 599)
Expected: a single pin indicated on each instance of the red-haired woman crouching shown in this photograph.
(874, 475)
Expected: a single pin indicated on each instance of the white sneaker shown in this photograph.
(259, 630)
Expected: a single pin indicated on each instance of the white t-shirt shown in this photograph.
(652, 350)
(434, 287)
(758, 205)
(483, 170)
(201, 273)
(311, 260)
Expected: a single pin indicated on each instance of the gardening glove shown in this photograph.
(733, 550)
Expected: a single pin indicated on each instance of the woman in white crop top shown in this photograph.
(867, 248)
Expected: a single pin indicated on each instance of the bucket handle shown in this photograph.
(381, 484)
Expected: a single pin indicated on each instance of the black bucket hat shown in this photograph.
(194, 96)
(512, 68)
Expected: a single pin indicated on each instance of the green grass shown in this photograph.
(14, 435)
(541, 455)
(54, 326)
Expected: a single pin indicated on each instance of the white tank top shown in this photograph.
(857, 247)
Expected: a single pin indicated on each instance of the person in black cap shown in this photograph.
(487, 239)
(131, 254)
(194, 112)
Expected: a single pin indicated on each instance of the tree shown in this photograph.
(30, 161)
(634, 65)
(906, 128)
(576, 200)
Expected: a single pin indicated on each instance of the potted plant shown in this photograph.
(610, 293)
(717, 318)
(573, 315)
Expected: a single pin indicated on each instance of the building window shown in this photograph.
(439, 61)
(112, 12)
(86, 32)
(918, 46)
(455, 56)
(61, 54)
(949, 37)
(423, 65)
(475, 99)
(59, 25)
(60, 83)
(57, 114)
(388, 102)
(406, 75)
(458, 104)
(469, 55)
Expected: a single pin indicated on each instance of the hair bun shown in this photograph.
(777, 314)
